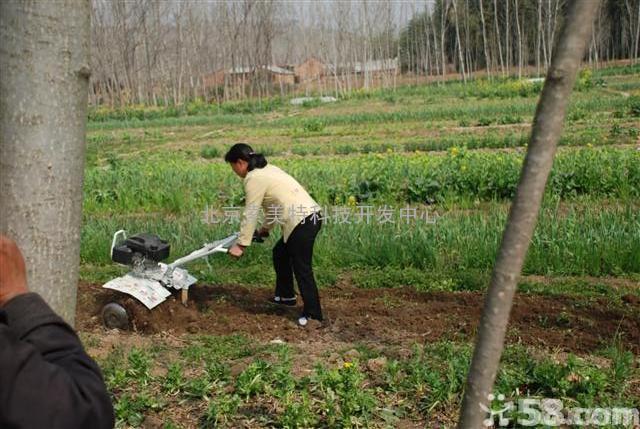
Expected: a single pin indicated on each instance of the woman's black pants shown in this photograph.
(294, 258)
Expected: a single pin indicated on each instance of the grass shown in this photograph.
(451, 149)
(352, 388)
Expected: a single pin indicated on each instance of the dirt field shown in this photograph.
(384, 316)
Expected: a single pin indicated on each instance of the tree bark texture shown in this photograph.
(44, 59)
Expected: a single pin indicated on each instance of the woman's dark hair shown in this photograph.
(245, 152)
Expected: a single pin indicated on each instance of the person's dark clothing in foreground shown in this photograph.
(47, 381)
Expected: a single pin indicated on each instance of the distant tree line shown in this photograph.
(509, 36)
(167, 53)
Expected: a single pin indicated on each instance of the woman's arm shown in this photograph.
(255, 189)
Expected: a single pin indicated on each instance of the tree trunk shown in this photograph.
(147, 55)
(467, 43)
(519, 41)
(44, 60)
(543, 38)
(495, 14)
(633, 47)
(547, 127)
(539, 38)
(460, 57)
(637, 38)
(507, 38)
(436, 55)
(427, 65)
(549, 38)
(554, 26)
(177, 99)
(484, 41)
(443, 29)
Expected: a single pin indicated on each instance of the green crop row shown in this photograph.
(617, 133)
(618, 70)
(437, 112)
(458, 111)
(173, 186)
(456, 248)
(196, 107)
(351, 139)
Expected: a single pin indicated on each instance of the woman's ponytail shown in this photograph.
(256, 160)
(245, 152)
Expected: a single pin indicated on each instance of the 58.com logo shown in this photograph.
(527, 412)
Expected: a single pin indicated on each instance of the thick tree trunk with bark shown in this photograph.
(523, 215)
(44, 58)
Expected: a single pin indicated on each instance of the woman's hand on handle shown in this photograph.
(236, 251)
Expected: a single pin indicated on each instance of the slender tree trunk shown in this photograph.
(149, 83)
(543, 38)
(427, 64)
(495, 14)
(443, 29)
(594, 44)
(547, 128)
(553, 27)
(467, 43)
(365, 47)
(539, 39)
(44, 60)
(422, 60)
(549, 38)
(484, 41)
(460, 57)
(179, 54)
(519, 40)
(436, 56)
(507, 38)
(635, 53)
(636, 39)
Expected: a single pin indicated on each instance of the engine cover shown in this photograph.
(150, 246)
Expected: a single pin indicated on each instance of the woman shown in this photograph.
(286, 202)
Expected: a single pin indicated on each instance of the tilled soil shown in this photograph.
(386, 316)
